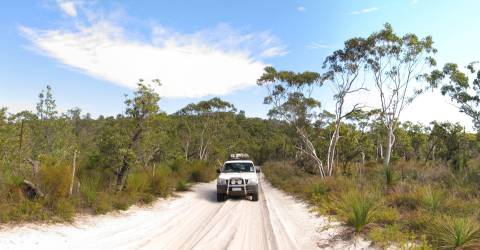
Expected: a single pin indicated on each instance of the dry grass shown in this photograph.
(398, 212)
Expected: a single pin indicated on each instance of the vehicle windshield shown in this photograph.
(238, 167)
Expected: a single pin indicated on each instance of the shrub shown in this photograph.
(417, 220)
(64, 209)
(137, 183)
(182, 185)
(162, 183)
(147, 198)
(432, 199)
(25, 210)
(319, 189)
(55, 180)
(202, 172)
(384, 237)
(89, 190)
(358, 209)
(121, 201)
(389, 175)
(455, 233)
(102, 203)
(408, 201)
(387, 215)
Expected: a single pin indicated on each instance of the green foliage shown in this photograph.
(456, 233)
(320, 189)
(415, 213)
(182, 185)
(55, 180)
(88, 189)
(138, 182)
(432, 199)
(162, 182)
(64, 209)
(389, 175)
(461, 87)
(390, 234)
(102, 203)
(358, 209)
(202, 172)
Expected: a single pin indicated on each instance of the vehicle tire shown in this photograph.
(255, 197)
(221, 197)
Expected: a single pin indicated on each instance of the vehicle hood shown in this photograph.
(237, 175)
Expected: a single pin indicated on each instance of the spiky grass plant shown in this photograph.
(456, 233)
(359, 209)
(432, 199)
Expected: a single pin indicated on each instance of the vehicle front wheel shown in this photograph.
(221, 197)
(255, 197)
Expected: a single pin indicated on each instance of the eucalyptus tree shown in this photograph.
(397, 64)
(46, 113)
(462, 87)
(290, 95)
(362, 121)
(344, 72)
(201, 122)
(141, 107)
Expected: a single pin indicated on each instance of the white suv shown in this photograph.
(238, 178)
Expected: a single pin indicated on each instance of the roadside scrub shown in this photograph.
(426, 208)
(94, 190)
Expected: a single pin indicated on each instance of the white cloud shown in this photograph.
(301, 8)
(366, 10)
(68, 7)
(273, 52)
(428, 107)
(208, 62)
(317, 45)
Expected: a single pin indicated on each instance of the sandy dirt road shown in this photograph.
(193, 221)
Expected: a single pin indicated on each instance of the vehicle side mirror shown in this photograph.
(218, 171)
(258, 169)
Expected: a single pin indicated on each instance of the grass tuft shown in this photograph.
(456, 233)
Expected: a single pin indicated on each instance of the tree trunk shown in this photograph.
(186, 150)
(380, 150)
(391, 141)
(332, 148)
(433, 152)
(73, 173)
(310, 151)
(363, 158)
(122, 174)
(20, 145)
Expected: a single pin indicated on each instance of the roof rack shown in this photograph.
(239, 156)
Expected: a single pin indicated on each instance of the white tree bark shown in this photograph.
(73, 173)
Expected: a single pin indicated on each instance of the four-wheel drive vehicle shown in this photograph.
(237, 178)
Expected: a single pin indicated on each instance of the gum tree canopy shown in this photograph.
(397, 64)
(456, 84)
(289, 93)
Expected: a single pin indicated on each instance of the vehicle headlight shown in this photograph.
(221, 181)
(253, 181)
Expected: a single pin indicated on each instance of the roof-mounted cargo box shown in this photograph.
(239, 156)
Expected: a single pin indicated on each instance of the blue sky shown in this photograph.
(92, 52)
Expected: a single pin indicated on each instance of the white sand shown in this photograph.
(193, 221)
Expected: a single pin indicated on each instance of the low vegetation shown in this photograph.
(427, 207)
(92, 194)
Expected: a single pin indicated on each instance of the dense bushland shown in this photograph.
(53, 165)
